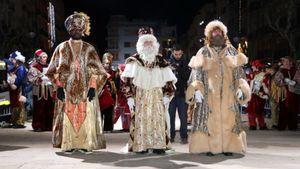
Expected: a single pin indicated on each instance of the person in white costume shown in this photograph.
(149, 82)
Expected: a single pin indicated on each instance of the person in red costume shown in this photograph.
(107, 98)
(42, 91)
(285, 78)
(122, 109)
(259, 96)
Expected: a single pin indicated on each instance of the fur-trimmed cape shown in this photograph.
(148, 76)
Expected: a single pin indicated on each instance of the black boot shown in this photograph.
(252, 128)
(263, 128)
(274, 127)
(172, 140)
(228, 154)
(71, 151)
(209, 154)
(184, 141)
(159, 151)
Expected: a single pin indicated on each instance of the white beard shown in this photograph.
(148, 53)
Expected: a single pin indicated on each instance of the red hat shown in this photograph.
(257, 63)
(38, 53)
(145, 30)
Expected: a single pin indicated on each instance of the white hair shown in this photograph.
(147, 53)
(20, 57)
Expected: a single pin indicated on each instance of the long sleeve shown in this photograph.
(239, 77)
(59, 67)
(195, 82)
(199, 64)
(52, 72)
(34, 76)
(21, 74)
(129, 88)
(96, 73)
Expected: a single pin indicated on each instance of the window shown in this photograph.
(112, 44)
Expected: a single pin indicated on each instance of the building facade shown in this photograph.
(122, 36)
(25, 26)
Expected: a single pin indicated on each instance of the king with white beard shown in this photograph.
(148, 79)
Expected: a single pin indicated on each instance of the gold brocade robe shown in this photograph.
(75, 66)
(148, 129)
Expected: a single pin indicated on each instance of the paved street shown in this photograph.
(25, 149)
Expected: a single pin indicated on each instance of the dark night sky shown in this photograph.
(178, 12)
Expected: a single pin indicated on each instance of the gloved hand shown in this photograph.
(292, 83)
(289, 81)
(166, 100)
(198, 96)
(239, 94)
(8, 79)
(265, 97)
(91, 94)
(256, 86)
(60, 93)
(11, 79)
(45, 80)
(131, 104)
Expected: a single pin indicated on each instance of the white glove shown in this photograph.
(130, 102)
(292, 83)
(256, 86)
(46, 80)
(198, 96)
(289, 82)
(11, 79)
(239, 94)
(265, 97)
(166, 100)
(45, 70)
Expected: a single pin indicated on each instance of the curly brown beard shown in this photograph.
(76, 34)
(218, 40)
